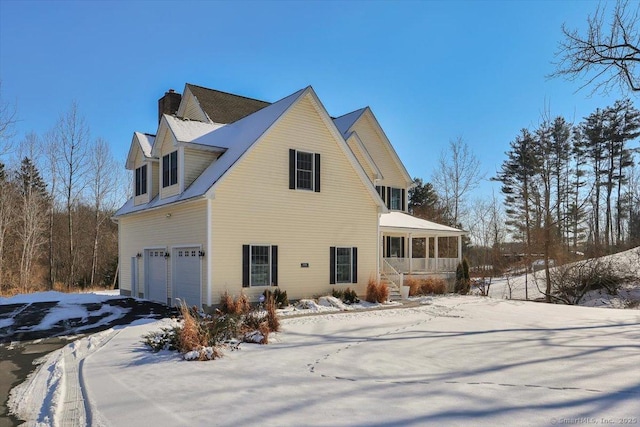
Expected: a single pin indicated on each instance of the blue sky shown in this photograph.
(431, 71)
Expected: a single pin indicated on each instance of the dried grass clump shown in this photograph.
(239, 305)
(377, 292)
(192, 335)
(433, 285)
(414, 286)
(273, 322)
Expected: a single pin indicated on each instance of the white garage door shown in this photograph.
(156, 275)
(186, 276)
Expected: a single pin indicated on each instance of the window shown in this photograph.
(394, 247)
(170, 169)
(343, 264)
(141, 180)
(259, 265)
(304, 171)
(396, 199)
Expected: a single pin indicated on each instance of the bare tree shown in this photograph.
(608, 54)
(457, 174)
(8, 119)
(31, 209)
(71, 151)
(7, 217)
(103, 188)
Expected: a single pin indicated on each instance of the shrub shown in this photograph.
(273, 322)
(350, 296)
(433, 285)
(229, 305)
(571, 282)
(165, 339)
(201, 337)
(337, 293)
(414, 286)
(377, 292)
(463, 281)
(347, 296)
(279, 297)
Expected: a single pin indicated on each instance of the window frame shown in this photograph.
(395, 196)
(310, 172)
(248, 264)
(251, 265)
(140, 180)
(338, 264)
(314, 172)
(170, 169)
(334, 278)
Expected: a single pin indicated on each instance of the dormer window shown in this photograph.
(170, 169)
(141, 180)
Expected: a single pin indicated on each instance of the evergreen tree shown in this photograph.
(424, 202)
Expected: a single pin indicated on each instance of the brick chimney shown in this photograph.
(169, 103)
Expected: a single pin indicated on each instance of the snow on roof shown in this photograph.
(146, 142)
(190, 130)
(344, 123)
(405, 221)
(237, 138)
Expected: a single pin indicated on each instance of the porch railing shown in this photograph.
(391, 274)
(427, 265)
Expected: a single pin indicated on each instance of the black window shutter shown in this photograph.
(332, 265)
(317, 173)
(378, 189)
(165, 171)
(292, 169)
(245, 265)
(388, 247)
(388, 197)
(274, 265)
(383, 194)
(354, 265)
(404, 203)
(402, 247)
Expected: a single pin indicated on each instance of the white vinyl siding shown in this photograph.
(254, 204)
(377, 148)
(195, 162)
(166, 228)
(190, 109)
(353, 145)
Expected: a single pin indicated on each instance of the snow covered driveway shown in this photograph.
(456, 361)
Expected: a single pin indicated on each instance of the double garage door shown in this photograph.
(185, 275)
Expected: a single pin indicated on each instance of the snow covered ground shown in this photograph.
(627, 262)
(451, 361)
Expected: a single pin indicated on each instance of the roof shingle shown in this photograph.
(223, 107)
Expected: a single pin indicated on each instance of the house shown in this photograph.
(239, 195)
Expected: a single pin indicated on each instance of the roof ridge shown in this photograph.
(228, 93)
(351, 112)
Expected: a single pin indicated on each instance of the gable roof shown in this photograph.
(385, 139)
(223, 107)
(145, 142)
(344, 123)
(236, 139)
(189, 130)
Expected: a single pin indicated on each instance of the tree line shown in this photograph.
(58, 192)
